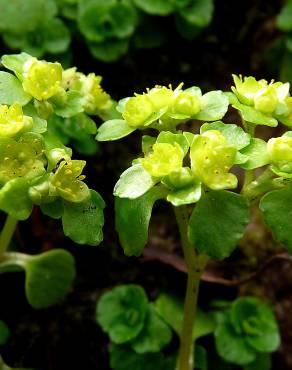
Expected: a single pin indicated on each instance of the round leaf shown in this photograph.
(218, 222)
(121, 313)
(113, 130)
(49, 277)
(11, 90)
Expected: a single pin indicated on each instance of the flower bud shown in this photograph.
(137, 110)
(12, 120)
(187, 104)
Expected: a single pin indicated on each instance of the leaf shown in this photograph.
(154, 336)
(49, 277)
(218, 222)
(121, 312)
(276, 208)
(257, 154)
(188, 195)
(284, 19)
(124, 358)
(198, 12)
(54, 209)
(214, 105)
(109, 50)
(113, 130)
(72, 106)
(201, 358)
(132, 220)
(263, 361)
(4, 333)
(21, 16)
(231, 346)
(234, 134)
(250, 114)
(11, 90)
(14, 199)
(133, 182)
(171, 138)
(57, 36)
(83, 221)
(15, 62)
(39, 124)
(171, 310)
(156, 7)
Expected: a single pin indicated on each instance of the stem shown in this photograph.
(195, 265)
(7, 233)
(249, 174)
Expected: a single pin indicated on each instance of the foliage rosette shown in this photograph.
(246, 330)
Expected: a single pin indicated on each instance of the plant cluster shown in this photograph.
(198, 170)
(194, 167)
(46, 27)
(36, 169)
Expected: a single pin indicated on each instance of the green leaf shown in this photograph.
(276, 208)
(214, 105)
(250, 114)
(72, 106)
(201, 358)
(257, 154)
(132, 220)
(133, 182)
(188, 195)
(231, 346)
(21, 16)
(156, 7)
(171, 310)
(109, 50)
(57, 36)
(268, 340)
(263, 361)
(284, 19)
(54, 209)
(113, 130)
(11, 90)
(121, 312)
(49, 277)
(39, 124)
(234, 134)
(154, 336)
(198, 12)
(170, 138)
(124, 358)
(83, 221)
(218, 222)
(4, 333)
(15, 62)
(14, 199)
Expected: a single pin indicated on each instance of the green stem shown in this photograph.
(195, 265)
(249, 174)
(7, 233)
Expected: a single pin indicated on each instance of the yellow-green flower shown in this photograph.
(280, 152)
(41, 79)
(137, 110)
(187, 104)
(212, 158)
(161, 97)
(12, 120)
(163, 160)
(66, 181)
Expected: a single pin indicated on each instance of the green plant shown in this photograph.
(36, 169)
(139, 330)
(108, 27)
(246, 331)
(194, 172)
